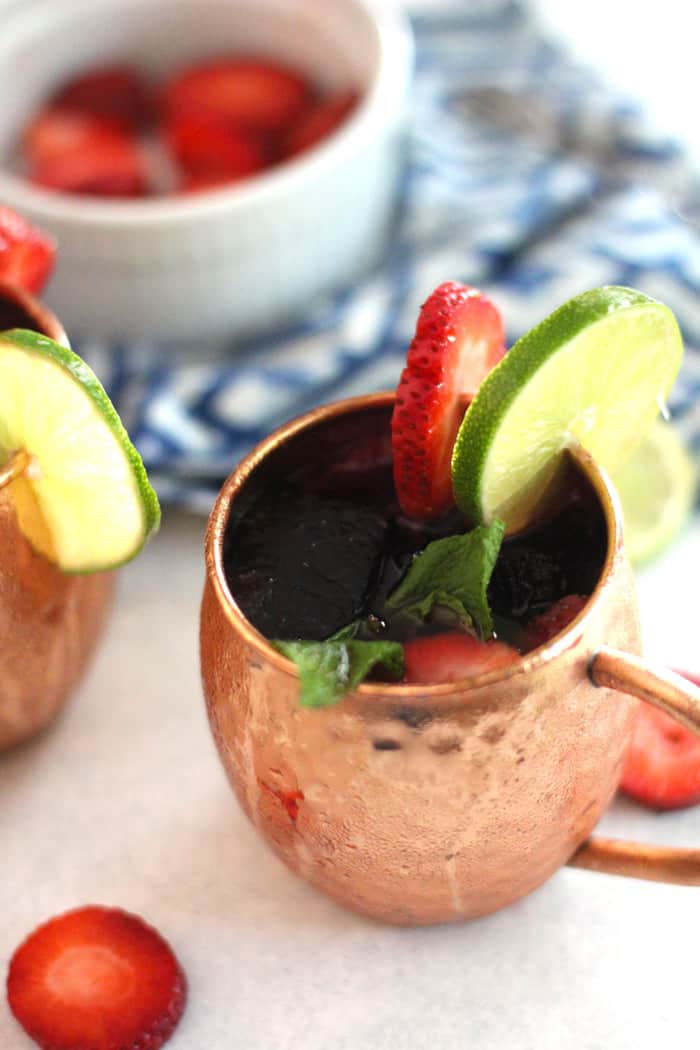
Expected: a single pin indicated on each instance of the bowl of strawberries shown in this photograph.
(208, 169)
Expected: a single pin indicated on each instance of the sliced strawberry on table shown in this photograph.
(662, 762)
(450, 657)
(79, 153)
(213, 150)
(257, 94)
(319, 121)
(26, 254)
(459, 338)
(96, 979)
(554, 619)
(117, 92)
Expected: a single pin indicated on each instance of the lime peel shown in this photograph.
(593, 373)
(86, 504)
(657, 487)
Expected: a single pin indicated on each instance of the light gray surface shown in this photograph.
(124, 803)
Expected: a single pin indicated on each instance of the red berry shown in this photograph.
(117, 93)
(662, 762)
(78, 153)
(554, 619)
(318, 121)
(212, 150)
(96, 979)
(450, 657)
(26, 254)
(246, 92)
(56, 132)
(202, 183)
(459, 338)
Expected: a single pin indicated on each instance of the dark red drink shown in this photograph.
(323, 543)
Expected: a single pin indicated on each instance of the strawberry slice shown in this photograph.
(78, 153)
(450, 657)
(318, 122)
(553, 621)
(203, 183)
(26, 254)
(96, 979)
(117, 93)
(459, 338)
(212, 150)
(56, 132)
(255, 94)
(662, 762)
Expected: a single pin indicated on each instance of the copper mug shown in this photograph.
(420, 804)
(50, 623)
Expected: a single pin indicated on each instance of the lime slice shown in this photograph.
(84, 500)
(595, 372)
(657, 486)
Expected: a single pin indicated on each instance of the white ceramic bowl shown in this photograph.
(236, 260)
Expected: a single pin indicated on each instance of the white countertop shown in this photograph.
(124, 803)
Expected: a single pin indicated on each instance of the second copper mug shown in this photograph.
(420, 804)
(50, 622)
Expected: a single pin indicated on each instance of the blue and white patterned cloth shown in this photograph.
(525, 176)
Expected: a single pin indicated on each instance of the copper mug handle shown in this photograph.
(680, 699)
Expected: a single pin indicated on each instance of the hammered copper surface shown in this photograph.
(639, 861)
(670, 692)
(418, 804)
(50, 624)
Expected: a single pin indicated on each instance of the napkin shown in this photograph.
(526, 177)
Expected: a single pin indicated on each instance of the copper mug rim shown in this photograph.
(608, 667)
(448, 691)
(45, 320)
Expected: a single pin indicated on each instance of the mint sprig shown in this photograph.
(426, 609)
(450, 574)
(454, 572)
(331, 668)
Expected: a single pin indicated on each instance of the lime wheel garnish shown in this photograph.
(78, 485)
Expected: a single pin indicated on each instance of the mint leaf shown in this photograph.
(424, 608)
(346, 633)
(332, 668)
(458, 566)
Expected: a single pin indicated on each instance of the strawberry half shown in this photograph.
(459, 338)
(255, 94)
(96, 979)
(318, 122)
(553, 621)
(117, 93)
(212, 150)
(26, 255)
(662, 762)
(79, 153)
(450, 657)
